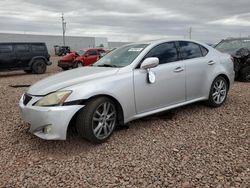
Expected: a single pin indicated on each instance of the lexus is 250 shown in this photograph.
(130, 82)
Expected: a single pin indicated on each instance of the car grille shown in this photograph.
(26, 99)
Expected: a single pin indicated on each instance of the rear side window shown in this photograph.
(5, 48)
(190, 50)
(38, 48)
(22, 48)
(166, 52)
(204, 51)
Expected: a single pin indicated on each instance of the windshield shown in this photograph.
(80, 52)
(121, 57)
(233, 45)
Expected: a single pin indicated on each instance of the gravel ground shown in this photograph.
(193, 146)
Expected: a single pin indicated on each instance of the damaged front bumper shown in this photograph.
(49, 123)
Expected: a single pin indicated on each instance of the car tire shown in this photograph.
(218, 92)
(28, 71)
(97, 120)
(245, 74)
(39, 67)
(65, 68)
(80, 64)
(77, 64)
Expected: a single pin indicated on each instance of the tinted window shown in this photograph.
(166, 52)
(92, 52)
(38, 48)
(233, 45)
(4, 48)
(189, 50)
(22, 48)
(204, 51)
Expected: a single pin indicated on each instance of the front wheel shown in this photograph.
(218, 92)
(77, 64)
(97, 120)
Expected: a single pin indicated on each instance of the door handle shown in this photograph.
(211, 62)
(179, 69)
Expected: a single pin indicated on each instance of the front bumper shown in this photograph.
(54, 120)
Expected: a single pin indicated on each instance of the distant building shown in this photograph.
(74, 42)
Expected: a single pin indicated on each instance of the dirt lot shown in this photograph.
(194, 146)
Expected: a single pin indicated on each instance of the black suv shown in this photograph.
(30, 57)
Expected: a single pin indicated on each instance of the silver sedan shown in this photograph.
(130, 82)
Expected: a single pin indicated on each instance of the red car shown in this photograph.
(83, 57)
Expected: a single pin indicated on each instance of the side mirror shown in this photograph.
(150, 62)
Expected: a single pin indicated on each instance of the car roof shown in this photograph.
(159, 41)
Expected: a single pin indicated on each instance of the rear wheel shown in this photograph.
(218, 92)
(97, 120)
(39, 67)
(245, 74)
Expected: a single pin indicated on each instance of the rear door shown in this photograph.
(199, 65)
(39, 50)
(7, 56)
(24, 54)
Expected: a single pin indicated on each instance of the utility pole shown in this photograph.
(190, 33)
(63, 28)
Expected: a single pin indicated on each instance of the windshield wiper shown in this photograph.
(106, 65)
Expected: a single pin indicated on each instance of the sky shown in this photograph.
(129, 20)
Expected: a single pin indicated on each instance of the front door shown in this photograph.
(169, 88)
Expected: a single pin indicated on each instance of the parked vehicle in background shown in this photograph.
(128, 83)
(30, 57)
(239, 49)
(83, 57)
(61, 50)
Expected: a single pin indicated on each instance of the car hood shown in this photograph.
(69, 78)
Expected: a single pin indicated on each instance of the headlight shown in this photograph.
(54, 99)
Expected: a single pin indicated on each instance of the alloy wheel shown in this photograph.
(104, 120)
(219, 91)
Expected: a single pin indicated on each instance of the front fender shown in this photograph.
(118, 87)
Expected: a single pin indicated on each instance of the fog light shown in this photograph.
(47, 129)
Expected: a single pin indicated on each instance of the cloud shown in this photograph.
(242, 20)
(129, 20)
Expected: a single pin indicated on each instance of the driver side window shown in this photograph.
(166, 53)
